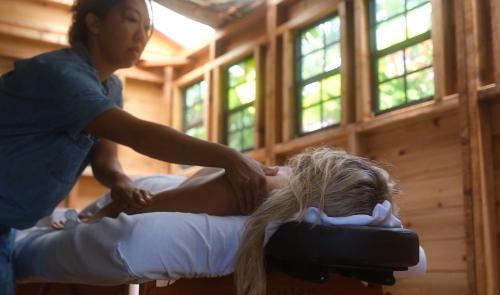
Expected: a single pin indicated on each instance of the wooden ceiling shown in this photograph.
(215, 13)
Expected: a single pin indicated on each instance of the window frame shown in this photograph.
(225, 103)
(299, 83)
(378, 54)
(201, 122)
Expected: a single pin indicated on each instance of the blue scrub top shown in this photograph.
(45, 102)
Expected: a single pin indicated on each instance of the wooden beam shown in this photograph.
(317, 138)
(242, 24)
(167, 61)
(410, 114)
(309, 12)
(61, 3)
(23, 30)
(140, 74)
(489, 93)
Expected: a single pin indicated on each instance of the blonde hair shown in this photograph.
(337, 183)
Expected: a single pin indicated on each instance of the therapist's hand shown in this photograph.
(126, 195)
(247, 178)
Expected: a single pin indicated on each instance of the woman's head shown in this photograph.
(337, 183)
(119, 29)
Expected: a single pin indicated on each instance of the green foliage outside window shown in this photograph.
(318, 79)
(240, 109)
(193, 101)
(402, 51)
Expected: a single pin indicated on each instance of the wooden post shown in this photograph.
(289, 117)
(270, 93)
(207, 105)
(346, 16)
(218, 106)
(259, 123)
(495, 32)
(167, 99)
(478, 175)
(363, 66)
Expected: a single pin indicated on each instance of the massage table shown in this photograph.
(301, 258)
(322, 260)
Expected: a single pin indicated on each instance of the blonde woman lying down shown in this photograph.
(337, 183)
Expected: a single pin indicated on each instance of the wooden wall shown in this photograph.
(445, 152)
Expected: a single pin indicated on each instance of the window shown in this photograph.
(318, 76)
(402, 52)
(193, 100)
(240, 108)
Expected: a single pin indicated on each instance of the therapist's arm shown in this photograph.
(108, 171)
(164, 143)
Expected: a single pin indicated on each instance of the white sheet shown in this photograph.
(143, 247)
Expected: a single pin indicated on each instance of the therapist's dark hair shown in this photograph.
(78, 32)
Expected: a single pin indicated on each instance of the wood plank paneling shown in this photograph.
(142, 100)
(425, 158)
(434, 283)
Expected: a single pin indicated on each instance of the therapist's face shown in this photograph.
(124, 32)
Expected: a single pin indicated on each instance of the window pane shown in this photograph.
(419, 56)
(333, 59)
(388, 8)
(234, 121)
(331, 87)
(203, 89)
(247, 138)
(192, 94)
(311, 119)
(236, 75)
(245, 92)
(198, 111)
(312, 64)
(420, 85)
(234, 140)
(331, 112)
(197, 132)
(250, 75)
(414, 3)
(311, 40)
(391, 94)
(247, 116)
(311, 94)
(391, 32)
(419, 20)
(331, 30)
(391, 66)
(193, 116)
(234, 100)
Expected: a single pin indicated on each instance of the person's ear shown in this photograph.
(93, 23)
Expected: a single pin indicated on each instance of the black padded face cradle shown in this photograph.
(311, 251)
